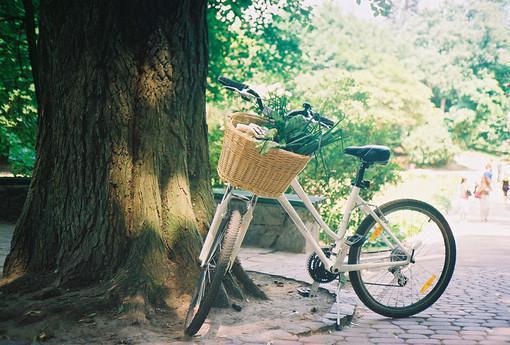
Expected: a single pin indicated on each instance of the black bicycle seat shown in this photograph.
(373, 154)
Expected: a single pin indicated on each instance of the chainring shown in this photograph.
(317, 270)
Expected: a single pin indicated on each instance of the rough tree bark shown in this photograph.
(121, 187)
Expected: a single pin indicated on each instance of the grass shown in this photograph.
(433, 186)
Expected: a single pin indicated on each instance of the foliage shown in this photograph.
(366, 55)
(461, 50)
(18, 109)
(216, 132)
(250, 37)
(429, 145)
(261, 40)
(21, 157)
(339, 97)
(295, 133)
(379, 7)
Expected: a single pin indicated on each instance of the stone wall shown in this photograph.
(13, 192)
(272, 228)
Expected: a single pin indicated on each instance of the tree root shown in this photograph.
(248, 285)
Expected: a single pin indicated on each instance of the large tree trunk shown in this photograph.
(120, 190)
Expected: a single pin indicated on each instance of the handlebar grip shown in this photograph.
(232, 83)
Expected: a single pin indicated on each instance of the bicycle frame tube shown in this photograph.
(308, 203)
(341, 248)
(337, 264)
(303, 230)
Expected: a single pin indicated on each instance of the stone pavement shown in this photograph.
(6, 230)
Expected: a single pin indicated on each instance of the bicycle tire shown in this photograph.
(223, 247)
(356, 277)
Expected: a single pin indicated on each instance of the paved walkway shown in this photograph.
(6, 230)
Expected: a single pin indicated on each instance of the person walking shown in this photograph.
(464, 194)
(483, 191)
(505, 186)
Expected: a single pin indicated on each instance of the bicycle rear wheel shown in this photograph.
(212, 275)
(402, 291)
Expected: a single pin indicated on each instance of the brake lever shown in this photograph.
(246, 95)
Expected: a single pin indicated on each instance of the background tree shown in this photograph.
(18, 106)
(462, 51)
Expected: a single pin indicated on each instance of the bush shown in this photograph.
(430, 144)
(18, 123)
(332, 179)
(215, 143)
(21, 157)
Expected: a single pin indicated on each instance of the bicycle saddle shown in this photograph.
(373, 154)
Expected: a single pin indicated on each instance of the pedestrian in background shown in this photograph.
(464, 194)
(505, 187)
(483, 191)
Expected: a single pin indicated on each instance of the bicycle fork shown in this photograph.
(219, 215)
(245, 224)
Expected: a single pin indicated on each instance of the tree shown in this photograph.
(462, 51)
(120, 190)
(244, 38)
(251, 38)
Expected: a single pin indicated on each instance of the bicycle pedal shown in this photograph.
(355, 240)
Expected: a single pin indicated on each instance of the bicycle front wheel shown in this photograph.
(212, 275)
(403, 290)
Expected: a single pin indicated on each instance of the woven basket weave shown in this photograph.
(242, 165)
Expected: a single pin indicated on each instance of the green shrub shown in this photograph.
(18, 123)
(430, 144)
(330, 176)
(215, 142)
(21, 156)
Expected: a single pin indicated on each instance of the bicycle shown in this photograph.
(400, 259)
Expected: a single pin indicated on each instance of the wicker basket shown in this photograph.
(242, 165)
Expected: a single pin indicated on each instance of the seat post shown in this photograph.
(360, 175)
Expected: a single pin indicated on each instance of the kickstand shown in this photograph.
(314, 289)
(341, 283)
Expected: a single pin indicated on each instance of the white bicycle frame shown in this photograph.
(334, 264)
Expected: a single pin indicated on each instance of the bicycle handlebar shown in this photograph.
(232, 84)
(316, 116)
(246, 91)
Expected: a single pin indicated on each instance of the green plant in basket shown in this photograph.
(294, 133)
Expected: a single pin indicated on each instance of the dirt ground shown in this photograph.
(285, 311)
